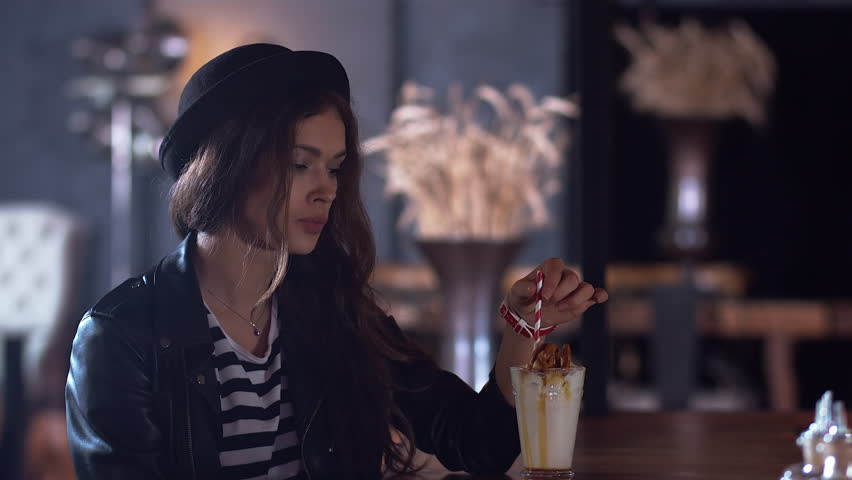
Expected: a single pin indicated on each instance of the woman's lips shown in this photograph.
(312, 225)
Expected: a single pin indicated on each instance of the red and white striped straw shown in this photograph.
(539, 281)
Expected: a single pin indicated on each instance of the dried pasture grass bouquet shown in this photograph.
(481, 171)
(693, 71)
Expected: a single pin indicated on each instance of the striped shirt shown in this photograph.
(259, 438)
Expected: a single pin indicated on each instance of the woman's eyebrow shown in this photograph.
(317, 152)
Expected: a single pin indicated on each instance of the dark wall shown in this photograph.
(43, 161)
(381, 42)
(40, 160)
(780, 196)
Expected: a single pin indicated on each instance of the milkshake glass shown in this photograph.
(548, 402)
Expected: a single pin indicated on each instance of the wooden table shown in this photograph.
(688, 445)
(779, 323)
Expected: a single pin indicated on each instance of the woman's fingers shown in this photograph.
(582, 294)
(562, 291)
(569, 282)
(552, 269)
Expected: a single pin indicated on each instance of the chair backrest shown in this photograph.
(37, 244)
(40, 258)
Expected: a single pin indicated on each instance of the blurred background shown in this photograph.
(703, 152)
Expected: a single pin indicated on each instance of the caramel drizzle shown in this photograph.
(548, 355)
(542, 430)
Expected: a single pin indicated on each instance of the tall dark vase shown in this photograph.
(469, 273)
(685, 237)
(691, 141)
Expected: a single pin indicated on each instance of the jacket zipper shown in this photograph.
(189, 429)
(305, 437)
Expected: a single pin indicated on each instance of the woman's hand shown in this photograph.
(564, 297)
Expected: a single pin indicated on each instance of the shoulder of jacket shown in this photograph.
(117, 323)
(124, 311)
(129, 298)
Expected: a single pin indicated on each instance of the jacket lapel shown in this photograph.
(180, 321)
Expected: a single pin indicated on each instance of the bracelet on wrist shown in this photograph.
(519, 325)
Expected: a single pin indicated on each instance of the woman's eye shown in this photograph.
(334, 171)
(300, 166)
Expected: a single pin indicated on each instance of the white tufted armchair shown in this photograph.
(39, 259)
(39, 263)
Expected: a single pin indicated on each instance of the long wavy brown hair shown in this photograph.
(209, 196)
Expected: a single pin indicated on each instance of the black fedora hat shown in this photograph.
(236, 79)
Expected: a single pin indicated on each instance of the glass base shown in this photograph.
(535, 474)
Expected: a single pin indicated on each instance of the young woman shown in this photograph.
(256, 349)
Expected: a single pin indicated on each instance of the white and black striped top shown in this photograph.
(258, 428)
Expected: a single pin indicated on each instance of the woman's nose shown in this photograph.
(325, 189)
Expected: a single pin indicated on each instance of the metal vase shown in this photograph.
(686, 237)
(470, 273)
(685, 234)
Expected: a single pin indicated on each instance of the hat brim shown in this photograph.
(245, 87)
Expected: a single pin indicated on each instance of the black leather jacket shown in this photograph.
(142, 399)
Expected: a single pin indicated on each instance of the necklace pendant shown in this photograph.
(256, 332)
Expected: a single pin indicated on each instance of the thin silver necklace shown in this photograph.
(257, 330)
